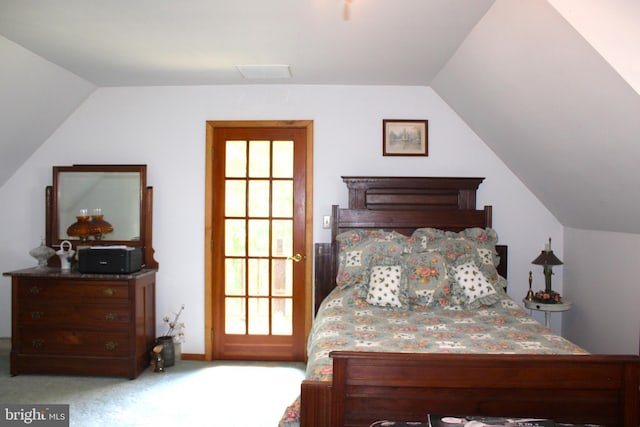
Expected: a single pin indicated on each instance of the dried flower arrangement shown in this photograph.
(175, 329)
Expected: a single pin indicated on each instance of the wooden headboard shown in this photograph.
(402, 204)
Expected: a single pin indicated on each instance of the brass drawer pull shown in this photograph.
(108, 292)
(37, 343)
(36, 314)
(110, 316)
(35, 290)
(111, 345)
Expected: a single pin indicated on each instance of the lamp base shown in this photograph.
(548, 297)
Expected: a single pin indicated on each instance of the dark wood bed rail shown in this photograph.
(600, 389)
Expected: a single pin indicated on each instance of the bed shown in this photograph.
(404, 328)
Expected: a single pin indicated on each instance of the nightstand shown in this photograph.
(547, 308)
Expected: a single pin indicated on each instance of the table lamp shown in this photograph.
(547, 259)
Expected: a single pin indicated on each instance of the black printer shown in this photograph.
(116, 259)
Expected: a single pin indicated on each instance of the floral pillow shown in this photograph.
(427, 279)
(354, 261)
(395, 237)
(476, 288)
(452, 247)
(423, 238)
(351, 238)
(352, 267)
(485, 240)
(385, 287)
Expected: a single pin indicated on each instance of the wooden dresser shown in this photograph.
(81, 324)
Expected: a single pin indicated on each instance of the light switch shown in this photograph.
(326, 221)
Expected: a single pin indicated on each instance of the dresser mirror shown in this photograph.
(92, 205)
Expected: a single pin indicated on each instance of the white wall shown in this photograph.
(164, 127)
(601, 278)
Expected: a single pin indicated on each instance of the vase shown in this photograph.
(168, 350)
(42, 253)
(177, 351)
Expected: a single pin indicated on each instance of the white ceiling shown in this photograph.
(548, 85)
(150, 42)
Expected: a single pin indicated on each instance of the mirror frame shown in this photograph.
(53, 238)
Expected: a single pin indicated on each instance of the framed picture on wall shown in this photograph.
(405, 138)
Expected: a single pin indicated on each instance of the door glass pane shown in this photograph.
(282, 198)
(236, 159)
(259, 198)
(258, 237)
(234, 276)
(259, 277)
(235, 316)
(282, 317)
(235, 198)
(234, 232)
(282, 244)
(283, 159)
(259, 209)
(282, 277)
(259, 159)
(258, 316)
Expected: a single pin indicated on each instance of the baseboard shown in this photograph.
(192, 356)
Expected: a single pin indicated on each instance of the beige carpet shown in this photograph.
(220, 394)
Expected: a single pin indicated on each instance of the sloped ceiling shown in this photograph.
(554, 98)
(36, 96)
(555, 112)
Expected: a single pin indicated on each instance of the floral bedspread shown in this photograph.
(346, 322)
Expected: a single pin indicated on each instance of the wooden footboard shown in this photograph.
(406, 387)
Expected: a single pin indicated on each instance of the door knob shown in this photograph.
(295, 258)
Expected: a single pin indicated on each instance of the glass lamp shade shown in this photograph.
(99, 226)
(81, 228)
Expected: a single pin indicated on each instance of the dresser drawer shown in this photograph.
(102, 316)
(32, 289)
(85, 343)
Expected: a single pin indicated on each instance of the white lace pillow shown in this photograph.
(474, 284)
(385, 286)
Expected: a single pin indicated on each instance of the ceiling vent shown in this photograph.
(269, 71)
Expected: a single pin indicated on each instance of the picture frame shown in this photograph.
(405, 138)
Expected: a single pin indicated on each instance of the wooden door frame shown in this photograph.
(208, 228)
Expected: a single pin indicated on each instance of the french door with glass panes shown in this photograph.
(258, 243)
